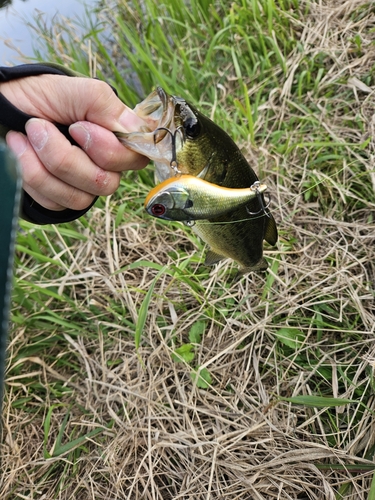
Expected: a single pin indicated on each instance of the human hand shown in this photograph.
(56, 174)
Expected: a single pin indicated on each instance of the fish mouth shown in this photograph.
(162, 135)
(163, 115)
(169, 110)
(154, 139)
(156, 110)
(160, 109)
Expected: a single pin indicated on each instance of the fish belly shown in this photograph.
(236, 237)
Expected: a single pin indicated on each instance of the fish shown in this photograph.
(186, 198)
(179, 138)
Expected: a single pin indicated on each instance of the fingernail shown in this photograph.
(17, 143)
(81, 135)
(130, 121)
(37, 133)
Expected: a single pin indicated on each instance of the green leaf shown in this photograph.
(183, 354)
(60, 435)
(196, 331)
(319, 401)
(372, 489)
(143, 310)
(65, 448)
(202, 378)
(59, 448)
(291, 337)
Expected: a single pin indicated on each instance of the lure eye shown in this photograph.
(158, 209)
(192, 127)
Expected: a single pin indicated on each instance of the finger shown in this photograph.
(69, 163)
(103, 147)
(44, 188)
(66, 100)
(43, 200)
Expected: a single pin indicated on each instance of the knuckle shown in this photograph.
(103, 92)
(58, 163)
(110, 160)
(78, 200)
(32, 173)
(106, 182)
(105, 160)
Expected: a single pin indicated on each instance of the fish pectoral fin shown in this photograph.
(270, 234)
(203, 173)
(212, 257)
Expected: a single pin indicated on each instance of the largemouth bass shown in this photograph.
(177, 134)
(187, 198)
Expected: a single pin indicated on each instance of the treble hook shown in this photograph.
(260, 200)
(179, 130)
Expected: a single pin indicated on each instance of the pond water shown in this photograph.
(14, 14)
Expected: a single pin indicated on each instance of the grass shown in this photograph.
(135, 371)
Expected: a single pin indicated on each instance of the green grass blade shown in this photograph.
(319, 401)
(143, 310)
(71, 445)
(372, 489)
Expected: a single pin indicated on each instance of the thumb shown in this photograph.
(66, 100)
(99, 104)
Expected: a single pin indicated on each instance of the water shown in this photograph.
(14, 14)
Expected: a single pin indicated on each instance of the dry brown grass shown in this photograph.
(163, 437)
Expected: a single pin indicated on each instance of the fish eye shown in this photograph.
(158, 209)
(192, 127)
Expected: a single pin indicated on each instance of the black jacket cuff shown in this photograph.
(33, 212)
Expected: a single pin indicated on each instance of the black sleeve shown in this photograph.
(11, 118)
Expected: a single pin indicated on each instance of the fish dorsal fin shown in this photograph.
(270, 234)
(212, 257)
